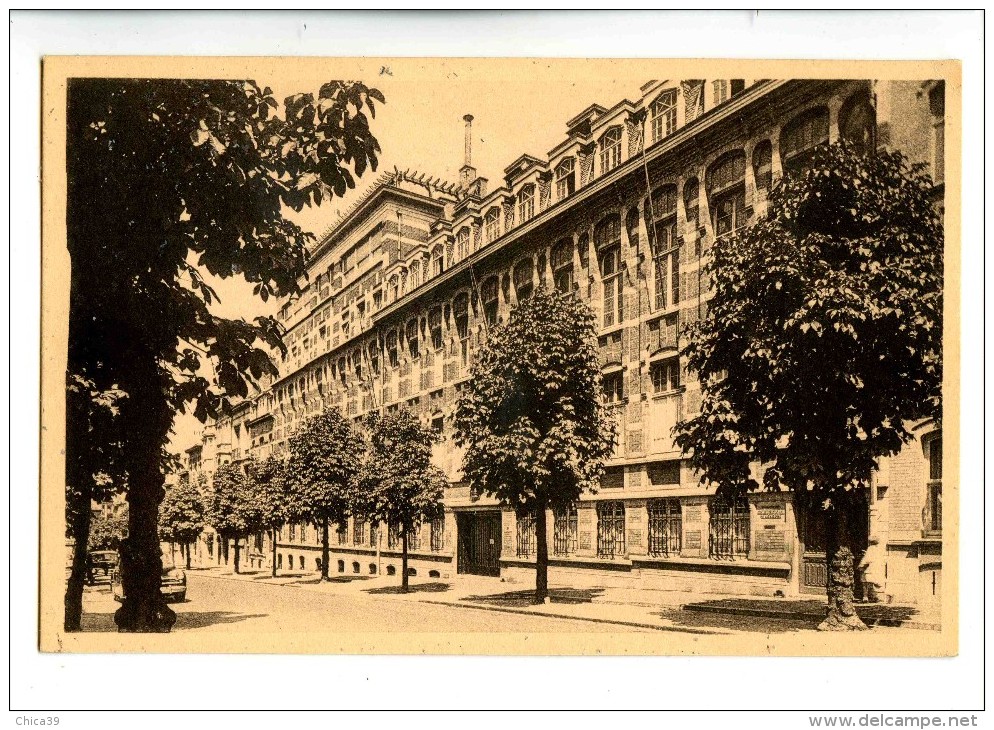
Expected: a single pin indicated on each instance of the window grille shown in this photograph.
(564, 532)
(414, 538)
(610, 529)
(729, 529)
(527, 536)
(665, 527)
(438, 534)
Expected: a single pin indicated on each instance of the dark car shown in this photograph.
(100, 562)
(173, 584)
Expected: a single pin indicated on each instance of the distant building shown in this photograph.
(403, 288)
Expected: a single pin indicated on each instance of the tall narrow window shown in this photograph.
(728, 528)
(564, 532)
(665, 375)
(610, 529)
(437, 262)
(414, 278)
(736, 87)
(857, 123)
(374, 357)
(719, 92)
(662, 115)
(435, 328)
(412, 339)
(488, 295)
(800, 137)
(393, 355)
(933, 508)
(565, 178)
(562, 266)
(358, 532)
(462, 243)
(692, 211)
(665, 527)
(438, 534)
(614, 387)
(665, 246)
(526, 203)
(492, 224)
(937, 108)
(762, 167)
(526, 535)
(607, 238)
(726, 193)
(394, 288)
(460, 313)
(610, 144)
(524, 284)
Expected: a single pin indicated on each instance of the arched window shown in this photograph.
(289, 559)
(800, 137)
(610, 144)
(488, 295)
(762, 166)
(460, 313)
(492, 224)
(526, 203)
(725, 182)
(462, 243)
(437, 263)
(523, 282)
(435, 327)
(665, 250)
(607, 238)
(691, 203)
(393, 355)
(562, 265)
(373, 351)
(414, 280)
(662, 115)
(357, 363)
(411, 334)
(857, 123)
(565, 178)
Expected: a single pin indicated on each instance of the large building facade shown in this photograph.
(403, 289)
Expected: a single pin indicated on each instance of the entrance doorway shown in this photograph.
(814, 563)
(479, 543)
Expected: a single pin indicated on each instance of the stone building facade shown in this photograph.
(403, 289)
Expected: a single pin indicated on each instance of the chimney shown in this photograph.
(467, 173)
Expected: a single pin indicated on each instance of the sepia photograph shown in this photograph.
(371, 356)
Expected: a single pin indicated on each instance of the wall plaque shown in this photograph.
(771, 512)
(770, 541)
(692, 539)
(635, 538)
(584, 541)
(692, 514)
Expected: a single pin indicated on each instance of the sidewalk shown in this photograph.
(650, 609)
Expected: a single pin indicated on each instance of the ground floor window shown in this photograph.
(665, 527)
(564, 539)
(610, 529)
(438, 534)
(342, 533)
(358, 533)
(414, 538)
(729, 528)
(527, 536)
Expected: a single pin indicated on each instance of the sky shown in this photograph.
(519, 107)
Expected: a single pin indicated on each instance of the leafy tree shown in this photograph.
(95, 471)
(531, 417)
(181, 515)
(272, 496)
(398, 484)
(822, 344)
(108, 529)
(171, 182)
(231, 506)
(325, 458)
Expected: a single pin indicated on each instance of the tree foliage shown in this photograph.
(822, 343)
(531, 418)
(182, 513)
(231, 505)
(108, 529)
(272, 494)
(171, 182)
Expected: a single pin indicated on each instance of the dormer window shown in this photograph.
(462, 243)
(663, 115)
(526, 203)
(492, 224)
(436, 260)
(610, 144)
(565, 178)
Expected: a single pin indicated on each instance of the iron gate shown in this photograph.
(479, 543)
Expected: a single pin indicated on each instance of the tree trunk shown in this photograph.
(189, 546)
(325, 550)
(80, 529)
(841, 614)
(238, 552)
(404, 582)
(274, 552)
(541, 556)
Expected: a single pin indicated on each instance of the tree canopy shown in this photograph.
(231, 506)
(272, 494)
(822, 342)
(181, 514)
(170, 182)
(531, 418)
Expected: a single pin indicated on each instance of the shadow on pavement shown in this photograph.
(104, 622)
(414, 588)
(703, 620)
(521, 599)
(805, 611)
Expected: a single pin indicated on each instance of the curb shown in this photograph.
(807, 616)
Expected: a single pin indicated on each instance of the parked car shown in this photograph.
(100, 562)
(173, 581)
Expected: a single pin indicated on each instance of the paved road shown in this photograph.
(217, 605)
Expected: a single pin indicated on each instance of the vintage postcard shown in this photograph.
(500, 356)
